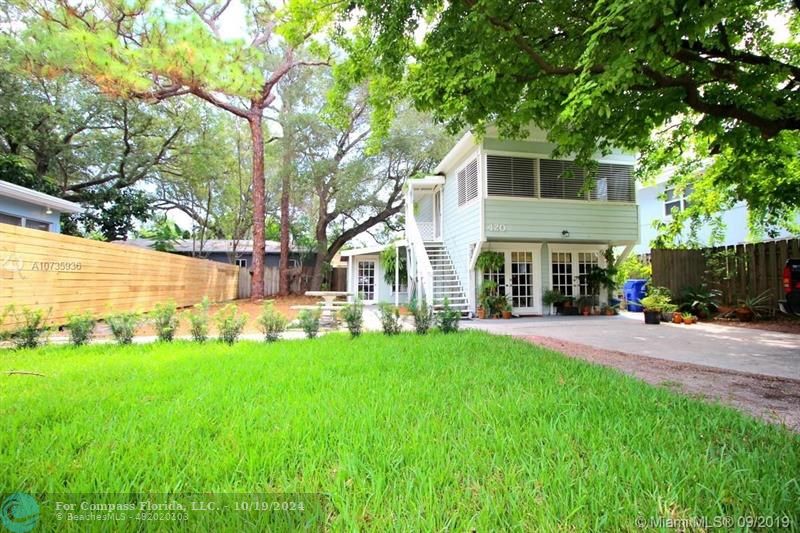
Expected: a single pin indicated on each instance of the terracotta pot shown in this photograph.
(677, 318)
(744, 314)
(609, 312)
(481, 313)
(689, 321)
(506, 314)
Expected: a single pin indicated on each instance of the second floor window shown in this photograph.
(676, 200)
(468, 182)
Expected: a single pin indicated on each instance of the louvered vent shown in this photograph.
(561, 179)
(511, 176)
(468, 182)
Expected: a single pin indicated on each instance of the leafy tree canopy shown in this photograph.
(709, 87)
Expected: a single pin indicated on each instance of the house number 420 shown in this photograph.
(496, 227)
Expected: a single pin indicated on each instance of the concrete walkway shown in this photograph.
(742, 349)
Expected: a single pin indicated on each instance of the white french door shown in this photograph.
(365, 280)
(519, 279)
(567, 270)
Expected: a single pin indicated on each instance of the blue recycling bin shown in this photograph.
(634, 290)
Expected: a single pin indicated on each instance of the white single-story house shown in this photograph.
(20, 206)
(367, 278)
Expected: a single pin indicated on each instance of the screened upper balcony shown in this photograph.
(540, 178)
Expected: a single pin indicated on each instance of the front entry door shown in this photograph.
(365, 280)
(520, 282)
(520, 278)
(568, 269)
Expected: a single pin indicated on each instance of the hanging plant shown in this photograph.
(490, 261)
(388, 259)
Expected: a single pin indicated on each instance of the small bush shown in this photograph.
(271, 322)
(165, 320)
(353, 315)
(31, 326)
(123, 326)
(81, 328)
(198, 320)
(7, 311)
(423, 316)
(230, 323)
(447, 318)
(309, 321)
(390, 319)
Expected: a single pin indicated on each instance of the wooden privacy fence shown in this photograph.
(740, 271)
(70, 274)
(298, 281)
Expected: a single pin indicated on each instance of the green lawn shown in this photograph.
(424, 433)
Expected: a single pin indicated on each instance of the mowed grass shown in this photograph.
(425, 433)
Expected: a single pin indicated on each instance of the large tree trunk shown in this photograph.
(259, 207)
(321, 255)
(286, 193)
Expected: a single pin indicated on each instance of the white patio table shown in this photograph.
(328, 303)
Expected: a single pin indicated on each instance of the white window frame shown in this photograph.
(23, 221)
(681, 202)
(240, 262)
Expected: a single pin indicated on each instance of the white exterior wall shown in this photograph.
(651, 209)
(383, 290)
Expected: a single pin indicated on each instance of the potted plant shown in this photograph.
(752, 308)
(677, 317)
(506, 309)
(554, 299)
(487, 297)
(688, 318)
(654, 305)
(585, 305)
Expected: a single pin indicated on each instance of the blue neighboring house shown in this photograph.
(20, 206)
(239, 253)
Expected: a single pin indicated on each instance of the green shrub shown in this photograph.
(423, 316)
(271, 322)
(198, 320)
(123, 326)
(309, 321)
(353, 315)
(165, 320)
(81, 328)
(447, 318)
(30, 327)
(632, 268)
(5, 332)
(390, 318)
(230, 323)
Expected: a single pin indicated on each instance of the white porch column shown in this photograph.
(350, 278)
(396, 274)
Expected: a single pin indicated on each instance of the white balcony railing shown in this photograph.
(421, 265)
(426, 230)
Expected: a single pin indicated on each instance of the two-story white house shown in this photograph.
(512, 197)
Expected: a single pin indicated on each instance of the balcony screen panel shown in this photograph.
(561, 179)
(618, 182)
(511, 176)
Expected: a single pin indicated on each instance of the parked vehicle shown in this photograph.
(791, 287)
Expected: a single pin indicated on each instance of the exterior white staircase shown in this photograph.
(445, 279)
